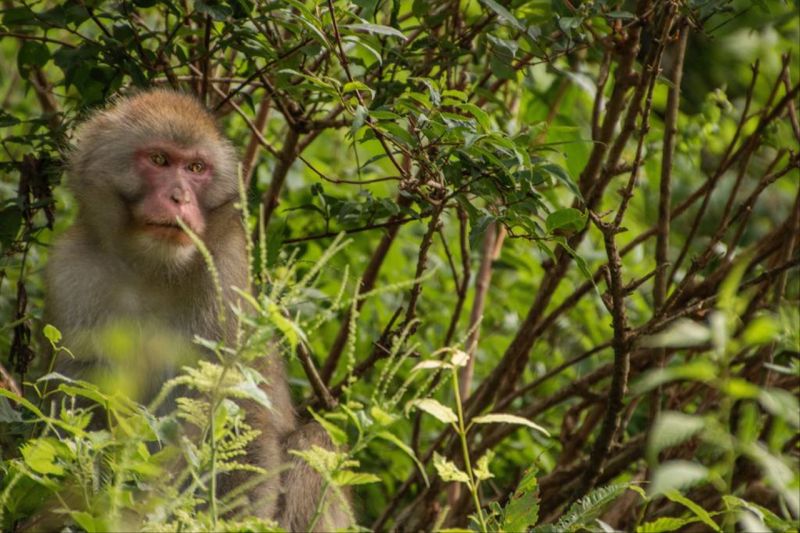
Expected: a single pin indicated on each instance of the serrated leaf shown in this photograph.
(590, 507)
(344, 478)
(522, 509)
(40, 456)
(448, 470)
(481, 469)
(503, 418)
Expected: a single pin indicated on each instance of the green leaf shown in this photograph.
(740, 388)
(431, 365)
(779, 472)
(390, 437)
(212, 8)
(699, 370)
(337, 435)
(772, 520)
(752, 523)
(8, 413)
(344, 478)
(522, 509)
(762, 330)
(287, 327)
(448, 470)
(85, 520)
(382, 417)
(249, 386)
(353, 86)
(504, 14)
(7, 120)
(781, 403)
(10, 222)
(377, 29)
(39, 414)
(32, 54)
(435, 409)
(569, 218)
(683, 333)
(40, 455)
(480, 115)
(672, 428)
(665, 523)
(481, 469)
(502, 418)
(590, 507)
(701, 513)
(561, 175)
(51, 333)
(676, 474)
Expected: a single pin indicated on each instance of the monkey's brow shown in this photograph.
(185, 148)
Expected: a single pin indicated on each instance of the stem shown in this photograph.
(320, 505)
(213, 484)
(462, 435)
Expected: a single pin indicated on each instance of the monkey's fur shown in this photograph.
(107, 269)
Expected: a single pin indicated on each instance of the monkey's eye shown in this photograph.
(158, 159)
(196, 167)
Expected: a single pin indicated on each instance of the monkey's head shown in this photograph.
(145, 162)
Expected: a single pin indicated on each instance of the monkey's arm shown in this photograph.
(303, 487)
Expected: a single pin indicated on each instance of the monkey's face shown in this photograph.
(173, 180)
(145, 163)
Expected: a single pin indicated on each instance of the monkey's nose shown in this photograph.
(180, 195)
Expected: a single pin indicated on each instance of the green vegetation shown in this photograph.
(533, 265)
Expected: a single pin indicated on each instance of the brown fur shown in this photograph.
(98, 277)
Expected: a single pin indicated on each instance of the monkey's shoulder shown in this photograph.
(87, 286)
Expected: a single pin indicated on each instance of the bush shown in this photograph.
(534, 264)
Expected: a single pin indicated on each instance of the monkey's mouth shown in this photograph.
(167, 231)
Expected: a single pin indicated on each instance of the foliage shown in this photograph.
(533, 264)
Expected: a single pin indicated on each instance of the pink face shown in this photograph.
(173, 180)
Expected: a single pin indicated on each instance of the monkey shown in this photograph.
(138, 167)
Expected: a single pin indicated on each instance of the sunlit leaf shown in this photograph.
(701, 513)
(447, 470)
(435, 409)
(676, 474)
(502, 418)
(672, 428)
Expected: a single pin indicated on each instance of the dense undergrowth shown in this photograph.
(532, 264)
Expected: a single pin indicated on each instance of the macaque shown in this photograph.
(136, 169)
